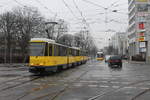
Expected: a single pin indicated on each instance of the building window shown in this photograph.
(141, 25)
(142, 7)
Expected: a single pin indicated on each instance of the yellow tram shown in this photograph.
(100, 56)
(47, 55)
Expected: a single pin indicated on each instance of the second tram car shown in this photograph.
(47, 55)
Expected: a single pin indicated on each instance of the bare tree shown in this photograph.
(28, 23)
(66, 39)
(18, 26)
(62, 28)
(6, 27)
(85, 41)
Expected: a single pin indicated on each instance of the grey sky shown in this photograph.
(93, 14)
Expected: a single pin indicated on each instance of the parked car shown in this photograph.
(115, 61)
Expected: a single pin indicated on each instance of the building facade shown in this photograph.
(119, 43)
(138, 28)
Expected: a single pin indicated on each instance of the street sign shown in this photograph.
(142, 49)
(141, 39)
(141, 34)
(142, 44)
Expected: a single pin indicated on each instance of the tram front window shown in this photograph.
(37, 49)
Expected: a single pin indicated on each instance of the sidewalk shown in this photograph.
(137, 62)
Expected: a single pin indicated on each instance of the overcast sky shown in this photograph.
(92, 11)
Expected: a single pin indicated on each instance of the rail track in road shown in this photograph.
(140, 94)
(68, 86)
(109, 92)
(19, 84)
(57, 93)
(12, 79)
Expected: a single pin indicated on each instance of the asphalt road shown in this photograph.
(92, 81)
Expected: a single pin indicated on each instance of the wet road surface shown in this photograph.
(92, 81)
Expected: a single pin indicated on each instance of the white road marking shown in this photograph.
(130, 87)
(114, 82)
(89, 81)
(104, 81)
(78, 85)
(115, 86)
(104, 86)
(144, 88)
(92, 85)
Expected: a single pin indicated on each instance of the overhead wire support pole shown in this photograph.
(106, 9)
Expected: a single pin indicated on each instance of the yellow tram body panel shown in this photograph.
(54, 60)
(48, 61)
(100, 59)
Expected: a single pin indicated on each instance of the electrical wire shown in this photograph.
(84, 19)
(67, 6)
(87, 1)
(19, 3)
(45, 6)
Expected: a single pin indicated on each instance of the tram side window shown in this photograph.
(46, 49)
(72, 52)
(59, 50)
(77, 53)
(55, 50)
(84, 53)
(50, 50)
(80, 53)
(62, 51)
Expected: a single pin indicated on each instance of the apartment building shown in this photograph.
(118, 42)
(138, 28)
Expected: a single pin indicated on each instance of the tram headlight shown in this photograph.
(31, 64)
(41, 64)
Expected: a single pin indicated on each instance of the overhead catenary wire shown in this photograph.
(87, 1)
(45, 7)
(19, 3)
(84, 19)
(67, 6)
(113, 3)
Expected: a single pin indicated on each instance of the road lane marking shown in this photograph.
(130, 87)
(104, 86)
(144, 88)
(114, 82)
(78, 85)
(92, 85)
(115, 87)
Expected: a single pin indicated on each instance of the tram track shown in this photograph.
(109, 92)
(55, 94)
(140, 94)
(19, 84)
